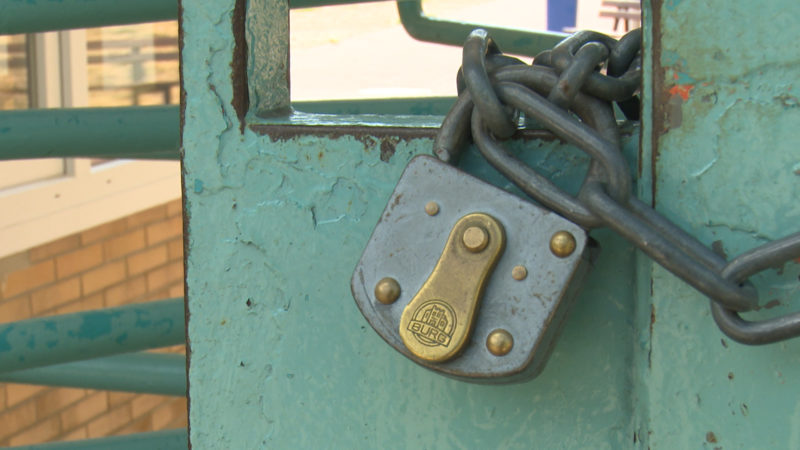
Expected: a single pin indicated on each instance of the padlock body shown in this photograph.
(409, 239)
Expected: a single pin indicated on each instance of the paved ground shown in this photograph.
(362, 51)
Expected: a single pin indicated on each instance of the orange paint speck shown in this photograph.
(681, 89)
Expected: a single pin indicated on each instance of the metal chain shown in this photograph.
(565, 82)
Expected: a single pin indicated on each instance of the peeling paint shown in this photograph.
(681, 90)
(719, 248)
(705, 168)
(772, 303)
(368, 136)
(788, 101)
(387, 149)
(94, 325)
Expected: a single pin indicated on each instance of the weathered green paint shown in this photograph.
(722, 125)
(156, 440)
(280, 355)
(72, 337)
(143, 132)
(278, 344)
(33, 16)
(510, 40)
(152, 373)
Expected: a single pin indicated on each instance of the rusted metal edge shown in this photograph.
(286, 132)
(658, 95)
(241, 96)
(383, 137)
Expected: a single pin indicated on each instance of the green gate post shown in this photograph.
(279, 210)
(720, 151)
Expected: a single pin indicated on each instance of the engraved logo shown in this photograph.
(433, 323)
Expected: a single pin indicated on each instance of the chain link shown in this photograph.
(566, 82)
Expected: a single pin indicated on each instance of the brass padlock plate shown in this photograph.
(437, 323)
(525, 297)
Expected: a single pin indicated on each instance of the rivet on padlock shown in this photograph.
(499, 342)
(387, 290)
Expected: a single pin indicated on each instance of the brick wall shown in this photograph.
(135, 259)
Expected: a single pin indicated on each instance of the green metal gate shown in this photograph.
(279, 207)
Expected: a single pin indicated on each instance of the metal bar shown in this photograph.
(433, 106)
(150, 373)
(73, 337)
(33, 16)
(143, 132)
(177, 439)
(510, 40)
(315, 3)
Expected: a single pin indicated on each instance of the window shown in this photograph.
(13, 72)
(110, 66)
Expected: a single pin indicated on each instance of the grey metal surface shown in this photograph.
(407, 243)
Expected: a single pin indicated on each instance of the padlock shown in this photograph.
(467, 279)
